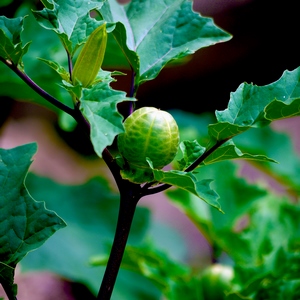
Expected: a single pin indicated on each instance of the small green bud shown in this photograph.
(90, 58)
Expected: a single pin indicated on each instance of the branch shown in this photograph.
(38, 89)
(205, 155)
(74, 112)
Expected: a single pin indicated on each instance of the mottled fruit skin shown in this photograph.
(149, 132)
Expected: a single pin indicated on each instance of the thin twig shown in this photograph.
(38, 89)
(148, 190)
(74, 112)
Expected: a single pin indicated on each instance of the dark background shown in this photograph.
(265, 43)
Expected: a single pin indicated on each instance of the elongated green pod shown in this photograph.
(91, 57)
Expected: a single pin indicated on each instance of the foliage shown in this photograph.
(245, 224)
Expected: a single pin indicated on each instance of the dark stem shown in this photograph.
(205, 155)
(147, 190)
(128, 203)
(70, 65)
(132, 91)
(38, 89)
(8, 291)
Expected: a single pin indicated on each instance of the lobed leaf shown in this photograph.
(99, 106)
(11, 48)
(188, 182)
(230, 151)
(160, 32)
(71, 20)
(60, 70)
(191, 150)
(25, 223)
(257, 106)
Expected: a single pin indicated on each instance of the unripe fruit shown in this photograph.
(149, 132)
(216, 281)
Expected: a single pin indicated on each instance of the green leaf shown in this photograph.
(187, 181)
(191, 150)
(99, 106)
(160, 32)
(235, 202)
(63, 73)
(223, 130)
(118, 54)
(11, 48)
(278, 145)
(71, 20)
(278, 109)
(12, 86)
(25, 223)
(253, 106)
(230, 151)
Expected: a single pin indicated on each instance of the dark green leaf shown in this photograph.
(25, 223)
(99, 106)
(70, 20)
(229, 188)
(64, 74)
(187, 181)
(11, 48)
(191, 150)
(256, 106)
(160, 32)
(279, 146)
(230, 151)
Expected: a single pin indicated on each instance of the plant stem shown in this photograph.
(128, 202)
(150, 191)
(8, 291)
(38, 89)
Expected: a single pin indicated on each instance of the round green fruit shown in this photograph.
(216, 281)
(149, 133)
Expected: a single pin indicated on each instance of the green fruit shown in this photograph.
(216, 281)
(149, 133)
